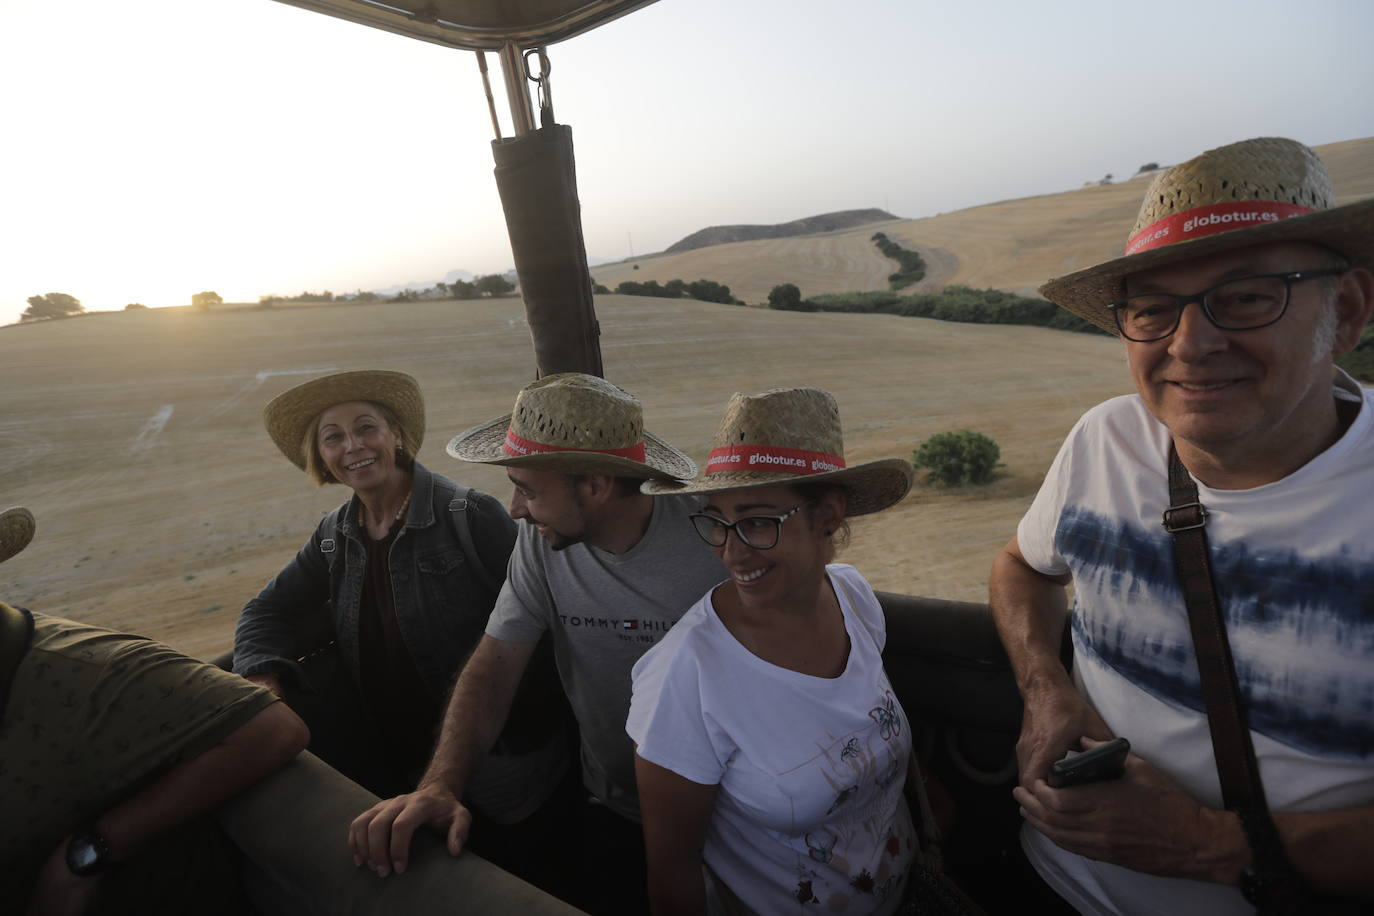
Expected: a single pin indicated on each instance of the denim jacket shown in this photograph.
(442, 604)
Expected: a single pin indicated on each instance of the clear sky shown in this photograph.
(156, 148)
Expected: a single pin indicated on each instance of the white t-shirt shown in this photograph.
(810, 769)
(1293, 562)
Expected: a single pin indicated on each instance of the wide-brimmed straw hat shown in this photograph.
(16, 530)
(1248, 193)
(574, 424)
(290, 413)
(792, 436)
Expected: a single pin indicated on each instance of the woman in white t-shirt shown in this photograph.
(769, 743)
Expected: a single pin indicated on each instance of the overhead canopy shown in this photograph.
(478, 25)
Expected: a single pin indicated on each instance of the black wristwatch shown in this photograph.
(87, 852)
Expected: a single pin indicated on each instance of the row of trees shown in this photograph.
(912, 265)
(64, 305)
(702, 290)
(485, 285)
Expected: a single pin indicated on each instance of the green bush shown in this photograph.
(787, 296)
(600, 289)
(957, 458)
(960, 303)
(882, 302)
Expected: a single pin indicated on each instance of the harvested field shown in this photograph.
(162, 505)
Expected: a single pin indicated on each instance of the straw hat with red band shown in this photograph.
(16, 530)
(574, 424)
(792, 435)
(289, 414)
(1249, 193)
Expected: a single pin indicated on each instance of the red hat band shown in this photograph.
(798, 461)
(517, 446)
(1197, 222)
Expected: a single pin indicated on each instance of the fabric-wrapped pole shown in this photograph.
(537, 180)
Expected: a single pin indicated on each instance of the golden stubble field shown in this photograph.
(162, 505)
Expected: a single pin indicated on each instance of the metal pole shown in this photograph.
(486, 87)
(517, 91)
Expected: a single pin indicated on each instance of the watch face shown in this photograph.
(86, 854)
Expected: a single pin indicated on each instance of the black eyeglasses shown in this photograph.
(1236, 305)
(757, 531)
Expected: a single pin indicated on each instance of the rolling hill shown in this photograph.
(826, 222)
(1014, 245)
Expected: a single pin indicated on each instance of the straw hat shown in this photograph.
(290, 413)
(792, 435)
(16, 530)
(574, 424)
(1249, 193)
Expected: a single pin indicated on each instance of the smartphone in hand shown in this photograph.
(1102, 763)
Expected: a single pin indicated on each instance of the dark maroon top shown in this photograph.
(392, 688)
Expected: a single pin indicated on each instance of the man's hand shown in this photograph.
(1142, 821)
(1053, 720)
(380, 836)
(58, 892)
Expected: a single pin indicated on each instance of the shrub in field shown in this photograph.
(786, 296)
(710, 291)
(957, 458)
(600, 289)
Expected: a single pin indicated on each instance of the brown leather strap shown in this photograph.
(1186, 520)
(1282, 888)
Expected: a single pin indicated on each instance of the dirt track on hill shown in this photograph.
(162, 505)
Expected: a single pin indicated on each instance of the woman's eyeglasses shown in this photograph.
(757, 531)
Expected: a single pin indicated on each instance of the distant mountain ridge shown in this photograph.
(826, 222)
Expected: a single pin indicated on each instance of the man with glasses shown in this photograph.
(606, 571)
(1241, 282)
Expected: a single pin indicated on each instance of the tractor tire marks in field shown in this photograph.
(147, 435)
(252, 385)
(20, 447)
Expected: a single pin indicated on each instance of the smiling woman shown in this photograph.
(770, 744)
(398, 581)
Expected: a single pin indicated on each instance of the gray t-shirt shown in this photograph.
(605, 611)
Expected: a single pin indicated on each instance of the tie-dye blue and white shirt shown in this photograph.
(1294, 566)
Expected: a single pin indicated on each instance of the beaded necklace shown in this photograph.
(405, 504)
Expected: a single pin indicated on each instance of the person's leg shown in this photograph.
(614, 870)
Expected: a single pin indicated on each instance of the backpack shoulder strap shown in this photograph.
(458, 513)
(330, 545)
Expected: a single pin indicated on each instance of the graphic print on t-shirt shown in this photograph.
(859, 768)
(1271, 599)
